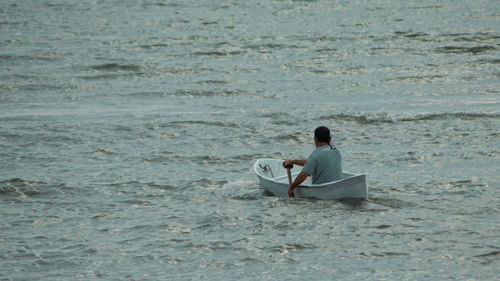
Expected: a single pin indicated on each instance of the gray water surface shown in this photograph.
(128, 130)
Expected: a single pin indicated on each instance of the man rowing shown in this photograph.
(323, 165)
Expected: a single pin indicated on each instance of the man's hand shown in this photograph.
(287, 163)
(298, 180)
(294, 162)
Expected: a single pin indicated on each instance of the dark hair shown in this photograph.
(322, 133)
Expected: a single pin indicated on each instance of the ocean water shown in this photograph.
(128, 130)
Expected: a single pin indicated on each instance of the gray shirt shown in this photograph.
(324, 165)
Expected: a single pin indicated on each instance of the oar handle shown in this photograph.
(289, 173)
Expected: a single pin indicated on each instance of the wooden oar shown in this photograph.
(289, 175)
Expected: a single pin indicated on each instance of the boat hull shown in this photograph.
(272, 177)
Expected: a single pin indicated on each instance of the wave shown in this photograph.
(24, 189)
(490, 254)
(456, 37)
(488, 61)
(117, 67)
(384, 117)
(243, 190)
(448, 116)
(17, 58)
(203, 123)
(120, 75)
(475, 50)
(139, 183)
(213, 81)
(37, 87)
(18, 186)
(208, 93)
(217, 53)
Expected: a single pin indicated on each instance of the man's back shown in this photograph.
(324, 164)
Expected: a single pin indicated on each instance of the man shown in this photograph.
(324, 164)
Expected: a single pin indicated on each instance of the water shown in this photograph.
(128, 130)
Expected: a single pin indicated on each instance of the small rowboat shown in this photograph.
(273, 178)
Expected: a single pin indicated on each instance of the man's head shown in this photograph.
(322, 135)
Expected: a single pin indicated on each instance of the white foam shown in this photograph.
(242, 189)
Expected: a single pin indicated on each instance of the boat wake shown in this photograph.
(243, 190)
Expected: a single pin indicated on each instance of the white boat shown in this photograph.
(273, 178)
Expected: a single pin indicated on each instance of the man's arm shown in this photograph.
(294, 162)
(301, 177)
